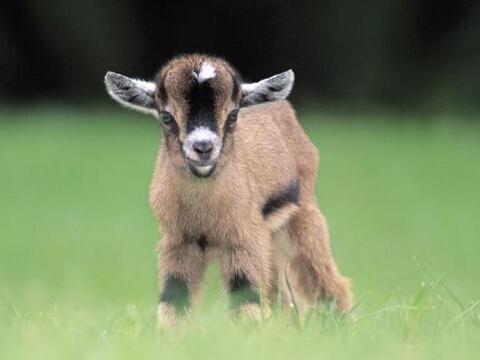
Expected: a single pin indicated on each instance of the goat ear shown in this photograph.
(277, 87)
(132, 93)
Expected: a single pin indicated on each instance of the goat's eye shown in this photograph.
(166, 117)
(232, 119)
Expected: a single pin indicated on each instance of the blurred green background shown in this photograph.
(386, 90)
(77, 240)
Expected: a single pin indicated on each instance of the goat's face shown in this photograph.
(197, 99)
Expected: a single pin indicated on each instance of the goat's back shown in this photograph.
(274, 148)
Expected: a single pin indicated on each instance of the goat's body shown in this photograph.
(234, 181)
(257, 169)
(258, 215)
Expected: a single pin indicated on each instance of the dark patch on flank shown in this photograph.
(242, 291)
(175, 292)
(290, 194)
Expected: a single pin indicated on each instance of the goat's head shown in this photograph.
(197, 98)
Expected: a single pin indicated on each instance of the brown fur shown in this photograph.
(269, 150)
(286, 251)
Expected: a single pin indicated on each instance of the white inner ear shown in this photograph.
(134, 94)
(148, 86)
(277, 87)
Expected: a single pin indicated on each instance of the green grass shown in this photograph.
(77, 243)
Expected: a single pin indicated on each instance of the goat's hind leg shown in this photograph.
(312, 269)
(281, 293)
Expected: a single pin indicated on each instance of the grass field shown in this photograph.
(77, 243)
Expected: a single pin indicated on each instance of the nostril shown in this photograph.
(203, 147)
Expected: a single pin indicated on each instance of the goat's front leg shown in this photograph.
(181, 267)
(246, 268)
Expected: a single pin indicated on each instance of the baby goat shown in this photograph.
(234, 181)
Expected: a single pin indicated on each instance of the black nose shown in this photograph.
(203, 148)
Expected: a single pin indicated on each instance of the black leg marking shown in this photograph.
(175, 292)
(242, 291)
(290, 194)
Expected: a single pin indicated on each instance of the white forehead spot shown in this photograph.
(207, 71)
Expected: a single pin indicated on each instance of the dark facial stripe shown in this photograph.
(175, 292)
(201, 99)
(242, 291)
(290, 194)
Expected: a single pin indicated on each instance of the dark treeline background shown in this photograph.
(405, 53)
